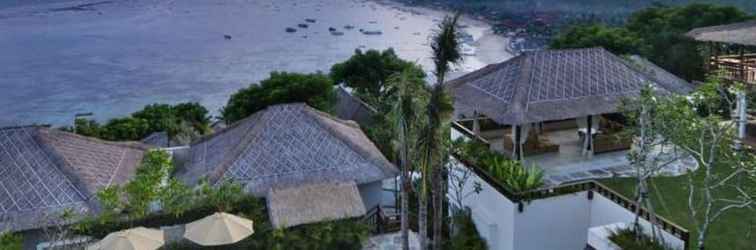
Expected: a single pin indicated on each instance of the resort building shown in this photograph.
(731, 53)
(300, 159)
(539, 106)
(44, 172)
(730, 50)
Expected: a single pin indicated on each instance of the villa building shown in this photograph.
(730, 53)
(285, 151)
(45, 171)
(539, 106)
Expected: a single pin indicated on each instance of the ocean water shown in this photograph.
(58, 58)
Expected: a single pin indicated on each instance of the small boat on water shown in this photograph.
(372, 32)
(291, 30)
(348, 27)
(310, 20)
(331, 29)
(303, 25)
(337, 33)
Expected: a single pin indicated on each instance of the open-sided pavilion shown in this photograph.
(525, 104)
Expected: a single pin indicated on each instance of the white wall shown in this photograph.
(492, 214)
(374, 194)
(554, 223)
(604, 211)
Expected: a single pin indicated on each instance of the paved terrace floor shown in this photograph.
(569, 165)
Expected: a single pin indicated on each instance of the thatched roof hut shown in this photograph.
(285, 146)
(743, 33)
(313, 203)
(44, 171)
(555, 85)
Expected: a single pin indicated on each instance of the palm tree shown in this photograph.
(446, 52)
(408, 91)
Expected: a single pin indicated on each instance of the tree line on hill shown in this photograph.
(656, 33)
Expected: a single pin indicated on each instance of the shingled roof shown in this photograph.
(349, 107)
(736, 33)
(43, 171)
(287, 145)
(556, 84)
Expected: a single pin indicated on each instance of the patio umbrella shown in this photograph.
(218, 229)
(139, 238)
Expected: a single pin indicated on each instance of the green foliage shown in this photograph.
(11, 241)
(466, 236)
(628, 239)
(512, 174)
(369, 72)
(144, 189)
(281, 87)
(153, 118)
(137, 195)
(222, 196)
(176, 198)
(657, 33)
(617, 40)
(111, 203)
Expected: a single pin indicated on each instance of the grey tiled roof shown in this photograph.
(349, 107)
(737, 33)
(287, 145)
(554, 85)
(43, 171)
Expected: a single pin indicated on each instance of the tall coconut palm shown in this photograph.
(408, 92)
(446, 52)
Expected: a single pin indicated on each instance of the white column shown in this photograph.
(742, 118)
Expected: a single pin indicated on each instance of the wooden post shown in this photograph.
(518, 154)
(742, 65)
(589, 135)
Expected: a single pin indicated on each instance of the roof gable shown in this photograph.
(43, 171)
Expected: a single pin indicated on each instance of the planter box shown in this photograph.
(598, 237)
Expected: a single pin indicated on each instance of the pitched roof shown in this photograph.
(556, 84)
(349, 107)
(736, 33)
(45, 170)
(314, 203)
(287, 145)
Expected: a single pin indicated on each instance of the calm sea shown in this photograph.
(58, 58)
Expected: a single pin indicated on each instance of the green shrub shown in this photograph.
(11, 241)
(627, 239)
(466, 236)
(512, 174)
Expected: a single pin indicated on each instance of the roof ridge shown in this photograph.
(238, 149)
(127, 144)
(380, 162)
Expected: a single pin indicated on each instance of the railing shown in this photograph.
(380, 222)
(590, 186)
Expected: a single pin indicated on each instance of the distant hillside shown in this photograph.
(599, 6)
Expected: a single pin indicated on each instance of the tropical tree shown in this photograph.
(368, 72)
(726, 178)
(409, 92)
(281, 87)
(446, 52)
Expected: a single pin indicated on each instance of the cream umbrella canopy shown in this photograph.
(218, 229)
(139, 238)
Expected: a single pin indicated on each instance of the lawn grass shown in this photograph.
(735, 230)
